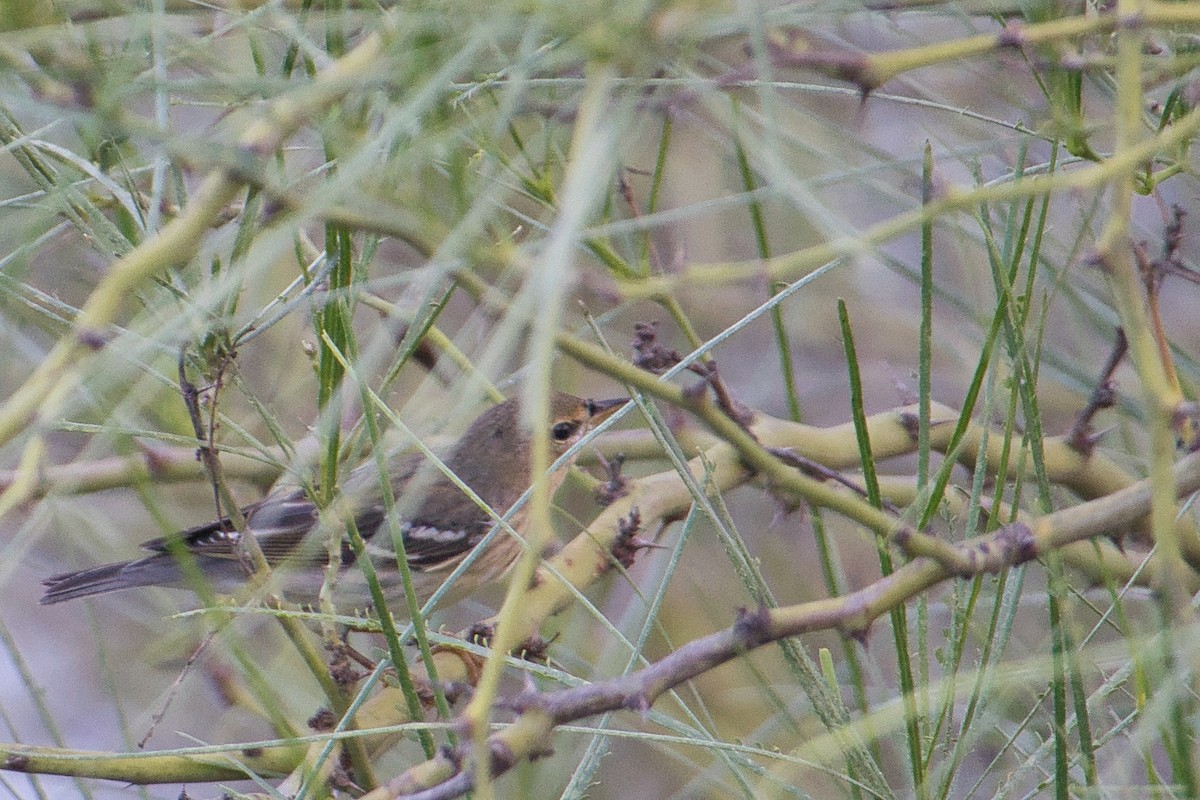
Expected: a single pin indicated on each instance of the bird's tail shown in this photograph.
(97, 580)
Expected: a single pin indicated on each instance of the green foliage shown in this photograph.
(915, 228)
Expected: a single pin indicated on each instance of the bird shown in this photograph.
(440, 524)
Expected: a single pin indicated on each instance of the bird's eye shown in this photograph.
(563, 430)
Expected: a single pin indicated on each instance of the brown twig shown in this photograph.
(1186, 420)
(206, 433)
(626, 191)
(653, 356)
(818, 470)
(615, 486)
(184, 671)
(628, 543)
(1154, 272)
(1081, 437)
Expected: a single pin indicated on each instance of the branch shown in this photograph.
(151, 768)
(53, 382)
(154, 464)
(851, 614)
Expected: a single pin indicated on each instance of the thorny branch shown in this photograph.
(852, 614)
(206, 434)
(653, 356)
(1081, 436)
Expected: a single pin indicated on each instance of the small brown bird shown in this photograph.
(440, 527)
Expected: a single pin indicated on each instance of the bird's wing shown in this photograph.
(279, 523)
(428, 547)
(282, 525)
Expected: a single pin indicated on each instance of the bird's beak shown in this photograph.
(600, 410)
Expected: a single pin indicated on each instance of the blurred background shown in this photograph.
(576, 152)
